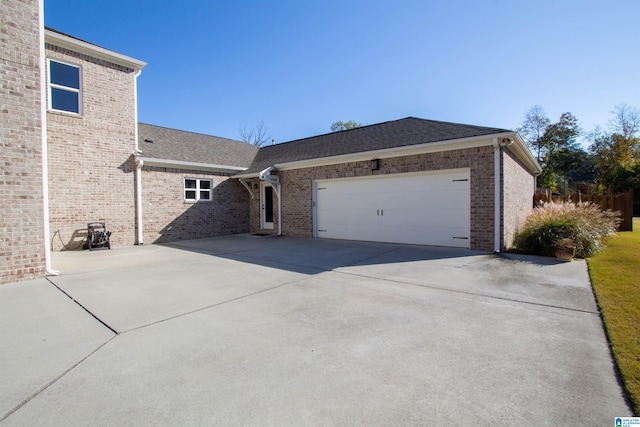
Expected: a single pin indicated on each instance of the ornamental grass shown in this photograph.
(584, 223)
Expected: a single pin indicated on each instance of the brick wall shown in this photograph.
(21, 209)
(254, 207)
(517, 200)
(91, 168)
(297, 188)
(168, 217)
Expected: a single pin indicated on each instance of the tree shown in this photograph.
(617, 151)
(561, 152)
(573, 168)
(583, 177)
(533, 126)
(256, 135)
(340, 125)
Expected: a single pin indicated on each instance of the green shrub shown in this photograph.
(584, 223)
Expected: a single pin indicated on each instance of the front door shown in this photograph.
(266, 206)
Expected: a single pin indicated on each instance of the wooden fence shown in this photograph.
(618, 202)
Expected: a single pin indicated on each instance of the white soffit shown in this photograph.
(177, 164)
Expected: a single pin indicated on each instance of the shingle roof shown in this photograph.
(173, 144)
(392, 134)
(69, 35)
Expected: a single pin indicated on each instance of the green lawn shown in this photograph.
(615, 276)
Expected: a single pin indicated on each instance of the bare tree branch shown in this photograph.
(533, 127)
(625, 121)
(257, 135)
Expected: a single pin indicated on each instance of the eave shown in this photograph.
(518, 148)
(177, 164)
(92, 50)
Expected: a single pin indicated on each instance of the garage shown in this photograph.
(430, 208)
(411, 181)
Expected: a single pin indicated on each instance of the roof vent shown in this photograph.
(148, 140)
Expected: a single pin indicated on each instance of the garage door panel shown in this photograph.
(348, 201)
(436, 194)
(434, 236)
(428, 209)
(338, 219)
(426, 202)
(409, 235)
(362, 231)
(416, 218)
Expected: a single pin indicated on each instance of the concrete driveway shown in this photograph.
(249, 330)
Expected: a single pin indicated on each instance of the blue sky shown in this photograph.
(298, 66)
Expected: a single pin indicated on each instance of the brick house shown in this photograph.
(407, 181)
(74, 152)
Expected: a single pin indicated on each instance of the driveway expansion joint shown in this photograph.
(475, 294)
(83, 307)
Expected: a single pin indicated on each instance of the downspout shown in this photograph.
(43, 129)
(139, 163)
(266, 176)
(135, 107)
(497, 197)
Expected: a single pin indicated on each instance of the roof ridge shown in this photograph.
(385, 123)
(332, 133)
(457, 124)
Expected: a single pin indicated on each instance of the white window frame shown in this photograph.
(65, 88)
(198, 190)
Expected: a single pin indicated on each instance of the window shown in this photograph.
(64, 87)
(197, 190)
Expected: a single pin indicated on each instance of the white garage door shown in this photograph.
(425, 209)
